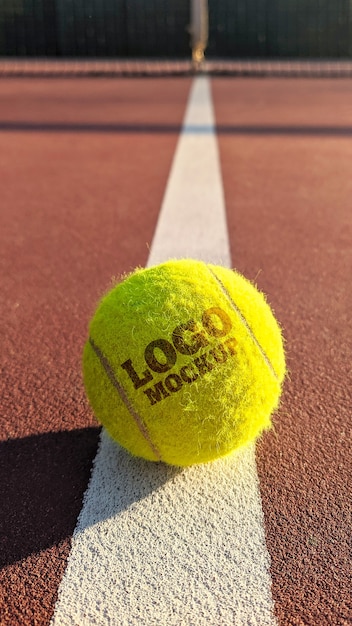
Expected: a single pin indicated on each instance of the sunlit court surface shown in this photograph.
(106, 166)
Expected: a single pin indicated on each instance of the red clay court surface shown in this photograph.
(84, 164)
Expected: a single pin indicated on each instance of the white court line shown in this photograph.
(156, 545)
(192, 221)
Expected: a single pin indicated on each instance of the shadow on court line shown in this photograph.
(161, 129)
(43, 479)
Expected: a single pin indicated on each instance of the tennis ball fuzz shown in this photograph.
(184, 362)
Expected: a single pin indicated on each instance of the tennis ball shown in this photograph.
(184, 362)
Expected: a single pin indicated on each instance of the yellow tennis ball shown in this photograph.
(184, 362)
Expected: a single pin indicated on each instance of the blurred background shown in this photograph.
(169, 29)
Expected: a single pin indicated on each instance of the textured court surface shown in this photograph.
(84, 167)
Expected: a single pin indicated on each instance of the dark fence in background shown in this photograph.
(28, 27)
(94, 28)
(280, 28)
(160, 28)
(124, 28)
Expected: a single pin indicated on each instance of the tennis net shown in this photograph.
(177, 67)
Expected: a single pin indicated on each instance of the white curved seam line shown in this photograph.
(124, 397)
(245, 323)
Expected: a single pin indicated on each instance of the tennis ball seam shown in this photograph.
(124, 397)
(244, 322)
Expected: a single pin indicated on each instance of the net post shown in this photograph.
(199, 31)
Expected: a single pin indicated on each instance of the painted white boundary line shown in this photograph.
(156, 545)
(192, 220)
